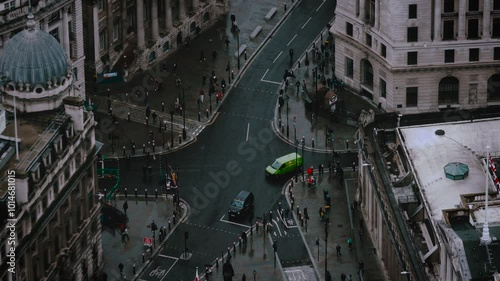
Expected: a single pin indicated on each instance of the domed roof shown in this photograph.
(33, 56)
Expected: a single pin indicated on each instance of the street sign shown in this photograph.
(148, 241)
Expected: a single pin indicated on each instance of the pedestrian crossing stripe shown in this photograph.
(246, 116)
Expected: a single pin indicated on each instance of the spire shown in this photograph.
(31, 22)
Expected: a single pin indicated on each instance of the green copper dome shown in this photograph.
(33, 56)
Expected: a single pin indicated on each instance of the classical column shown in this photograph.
(124, 22)
(196, 5)
(362, 15)
(461, 20)
(377, 4)
(95, 18)
(154, 20)
(486, 19)
(65, 32)
(182, 10)
(437, 20)
(46, 24)
(168, 15)
(141, 40)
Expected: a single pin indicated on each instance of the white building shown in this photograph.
(60, 18)
(51, 158)
(416, 56)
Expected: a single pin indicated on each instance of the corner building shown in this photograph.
(415, 56)
(57, 232)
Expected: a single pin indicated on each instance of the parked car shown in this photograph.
(242, 204)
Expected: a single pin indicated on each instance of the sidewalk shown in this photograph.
(140, 215)
(133, 96)
(343, 134)
(342, 226)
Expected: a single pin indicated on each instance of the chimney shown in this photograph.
(74, 108)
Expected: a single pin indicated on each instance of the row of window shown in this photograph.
(449, 30)
(449, 56)
(449, 7)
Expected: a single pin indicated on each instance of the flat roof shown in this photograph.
(462, 142)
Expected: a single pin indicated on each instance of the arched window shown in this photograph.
(152, 56)
(179, 38)
(206, 17)
(494, 87)
(166, 46)
(366, 73)
(192, 27)
(448, 90)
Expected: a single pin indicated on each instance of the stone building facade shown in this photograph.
(134, 34)
(420, 56)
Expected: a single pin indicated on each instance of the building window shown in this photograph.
(449, 6)
(383, 88)
(412, 58)
(166, 46)
(473, 29)
(412, 11)
(55, 33)
(496, 5)
(495, 28)
(496, 53)
(474, 54)
(383, 50)
(370, 12)
(474, 5)
(75, 73)
(368, 40)
(102, 40)
(116, 30)
(448, 90)
(152, 56)
(412, 34)
(449, 30)
(494, 88)
(366, 73)
(449, 56)
(348, 29)
(411, 97)
(349, 67)
(206, 17)
(10, 5)
(100, 5)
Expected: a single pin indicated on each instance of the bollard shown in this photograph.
(169, 227)
(173, 216)
(240, 242)
(207, 112)
(313, 142)
(146, 194)
(302, 221)
(126, 193)
(234, 248)
(133, 269)
(199, 115)
(245, 55)
(285, 7)
(180, 139)
(228, 252)
(136, 193)
(143, 258)
(217, 263)
(232, 74)
(298, 210)
(156, 193)
(128, 116)
(162, 107)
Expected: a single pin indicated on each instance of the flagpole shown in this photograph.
(486, 239)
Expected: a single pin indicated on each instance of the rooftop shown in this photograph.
(462, 142)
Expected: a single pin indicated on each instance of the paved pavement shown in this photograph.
(342, 224)
(140, 214)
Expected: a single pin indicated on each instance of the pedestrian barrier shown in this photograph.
(240, 51)
(256, 32)
(271, 13)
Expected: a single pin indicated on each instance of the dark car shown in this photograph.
(242, 204)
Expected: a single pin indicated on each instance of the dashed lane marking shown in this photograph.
(245, 116)
(213, 228)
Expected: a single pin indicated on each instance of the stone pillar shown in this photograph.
(154, 20)
(66, 32)
(168, 15)
(141, 40)
(46, 24)
(95, 18)
(362, 10)
(461, 20)
(377, 4)
(124, 22)
(182, 10)
(486, 19)
(437, 20)
(196, 5)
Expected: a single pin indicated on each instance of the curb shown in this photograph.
(186, 209)
(311, 257)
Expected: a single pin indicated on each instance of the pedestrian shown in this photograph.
(343, 277)
(361, 265)
(354, 166)
(228, 271)
(125, 207)
(338, 248)
(227, 43)
(321, 213)
(122, 227)
(349, 278)
(202, 95)
(349, 242)
(120, 267)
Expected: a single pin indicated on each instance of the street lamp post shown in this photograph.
(315, 79)
(164, 130)
(238, 41)
(287, 128)
(184, 134)
(172, 128)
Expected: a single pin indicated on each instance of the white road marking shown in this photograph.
(230, 222)
(307, 22)
(261, 79)
(269, 81)
(291, 40)
(277, 57)
(320, 6)
(277, 226)
(248, 131)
